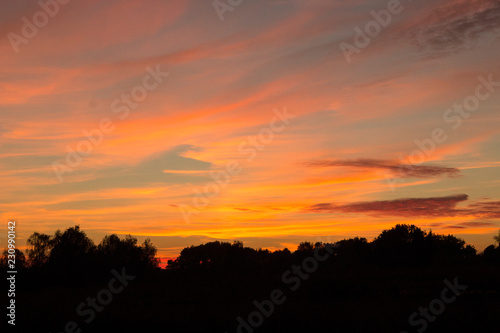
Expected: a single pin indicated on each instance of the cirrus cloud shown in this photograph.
(456, 26)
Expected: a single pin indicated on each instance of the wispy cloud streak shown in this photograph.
(397, 169)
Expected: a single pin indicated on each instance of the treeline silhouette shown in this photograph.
(363, 286)
(401, 246)
(71, 257)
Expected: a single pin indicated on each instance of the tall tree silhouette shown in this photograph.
(39, 247)
(72, 245)
(400, 246)
(497, 238)
(492, 253)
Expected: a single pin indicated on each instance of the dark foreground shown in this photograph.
(415, 285)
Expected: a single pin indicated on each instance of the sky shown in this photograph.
(271, 122)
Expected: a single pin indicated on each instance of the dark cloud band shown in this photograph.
(415, 207)
(396, 169)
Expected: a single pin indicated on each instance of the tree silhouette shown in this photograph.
(497, 238)
(20, 259)
(39, 247)
(451, 248)
(401, 245)
(149, 254)
(492, 253)
(409, 245)
(217, 255)
(72, 247)
(72, 257)
(115, 252)
(354, 251)
(305, 247)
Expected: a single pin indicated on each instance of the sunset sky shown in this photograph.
(307, 141)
